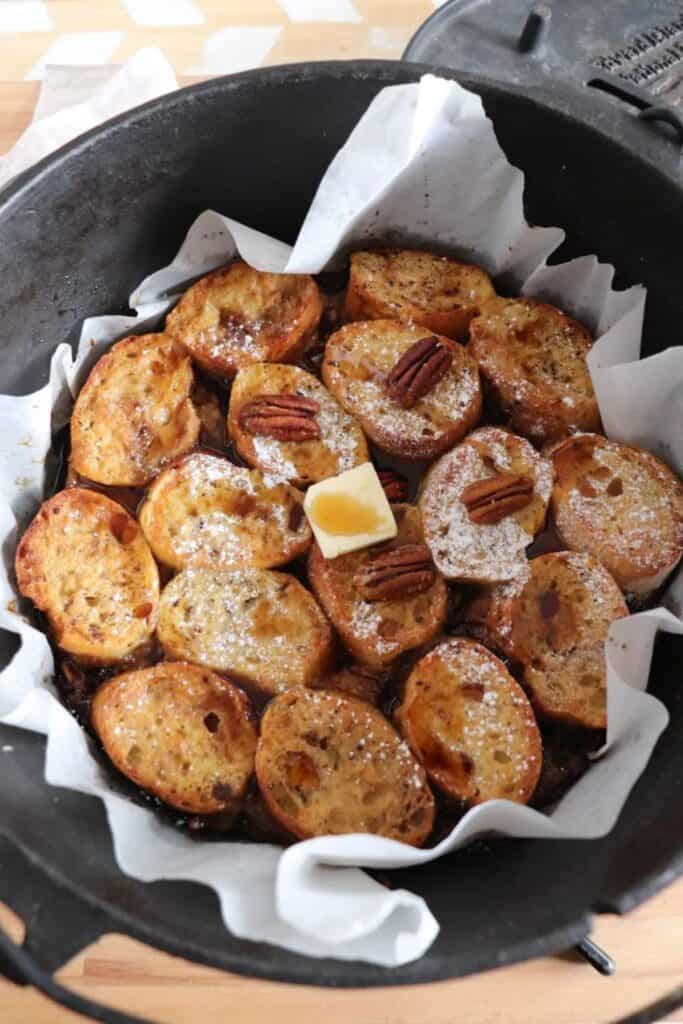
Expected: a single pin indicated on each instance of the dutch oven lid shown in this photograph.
(617, 65)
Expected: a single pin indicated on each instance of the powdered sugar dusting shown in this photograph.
(465, 550)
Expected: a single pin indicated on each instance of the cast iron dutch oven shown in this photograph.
(115, 205)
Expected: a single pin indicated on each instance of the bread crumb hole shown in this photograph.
(212, 721)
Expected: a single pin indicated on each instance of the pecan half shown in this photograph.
(418, 370)
(393, 484)
(399, 572)
(490, 500)
(284, 417)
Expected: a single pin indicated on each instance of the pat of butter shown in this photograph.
(349, 511)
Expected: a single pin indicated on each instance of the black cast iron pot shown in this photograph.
(115, 205)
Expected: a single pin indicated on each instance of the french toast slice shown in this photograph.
(328, 764)
(85, 563)
(180, 732)
(134, 414)
(236, 316)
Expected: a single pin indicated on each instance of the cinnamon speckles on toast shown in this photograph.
(532, 358)
(180, 732)
(237, 316)
(263, 628)
(328, 764)
(414, 287)
(134, 414)
(85, 563)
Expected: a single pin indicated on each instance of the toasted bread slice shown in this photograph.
(180, 732)
(134, 414)
(416, 287)
(236, 316)
(623, 505)
(340, 446)
(356, 680)
(205, 511)
(261, 627)
(464, 548)
(358, 361)
(471, 725)
(85, 562)
(377, 632)
(553, 621)
(532, 358)
(328, 764)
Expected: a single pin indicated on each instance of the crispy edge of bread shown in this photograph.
(221, 699)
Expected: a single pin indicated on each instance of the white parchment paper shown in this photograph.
(422, 166)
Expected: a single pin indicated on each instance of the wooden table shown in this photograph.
(647, 945)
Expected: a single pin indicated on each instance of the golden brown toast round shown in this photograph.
(623, 505)
(416, 287)
(261, 627)
(205, 511)
(180, 732)
(370, 367)
(553, 621)
(532, 358)
(482, 505)
(332, 443)
(85, 563)
(328, 764)
(376, 628)
(471, 725)
(356, 680)
(134, 413)
(236, 316)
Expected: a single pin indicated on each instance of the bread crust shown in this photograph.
(532, 358)
(553, 622)
(472, 552)
(134, 413)
(471, 725)
(341, 445)
(85, 563)
(262, 628)
(358, 359)
(328, 764)
(356, 680)
(237, 316)
(416, 287)
(621, 504)
(205, 511)
(180, 732)
(377, 632)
